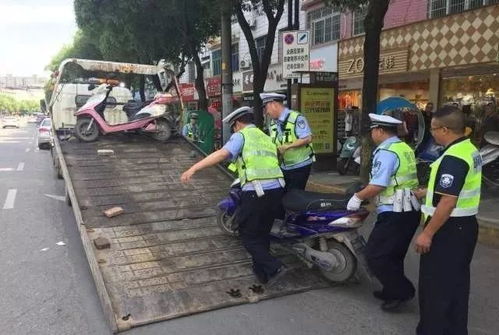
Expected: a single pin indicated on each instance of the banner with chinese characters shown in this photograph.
(317, 104)
(295, 53)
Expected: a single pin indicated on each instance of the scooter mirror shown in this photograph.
(91, 86)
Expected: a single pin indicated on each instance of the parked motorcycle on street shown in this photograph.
(317, 228)
(154, 118)
(349, 160)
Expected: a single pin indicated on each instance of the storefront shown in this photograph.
(449, 59)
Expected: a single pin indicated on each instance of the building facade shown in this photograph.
(452, 56)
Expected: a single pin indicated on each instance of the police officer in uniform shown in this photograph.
(448, 239)
(393, 176)
(291, 133)
(262, 184)
(191, 130)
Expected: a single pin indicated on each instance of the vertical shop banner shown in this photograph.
(317, 104)
(295, 53)
(214, 86)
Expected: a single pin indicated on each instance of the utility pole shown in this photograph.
(226, 66)
(290, 27)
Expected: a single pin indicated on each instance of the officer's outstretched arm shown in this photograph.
(210, 160)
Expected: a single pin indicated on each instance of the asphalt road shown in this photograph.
(46, 288)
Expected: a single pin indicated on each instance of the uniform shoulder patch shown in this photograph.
(446, 180)
(376, 167)
(301, 123)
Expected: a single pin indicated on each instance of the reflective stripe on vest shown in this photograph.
(292, 156)
(258, 158)
(405, 176)
(469, 197)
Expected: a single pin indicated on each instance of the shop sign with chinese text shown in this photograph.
(317, 104)
(389, 62)
(295, 53)
(214, 86)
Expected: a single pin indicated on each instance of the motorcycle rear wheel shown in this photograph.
(83, 132)
(347, 263)
(227, 223)
(164, 131)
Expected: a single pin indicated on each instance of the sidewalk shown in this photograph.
(488, 215)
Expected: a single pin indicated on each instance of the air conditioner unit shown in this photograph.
(244, 64)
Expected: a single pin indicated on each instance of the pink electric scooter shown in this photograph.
(149, 117)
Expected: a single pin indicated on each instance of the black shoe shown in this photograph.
(260, 276)
(394, 305)
(277, 275)
(379, 295)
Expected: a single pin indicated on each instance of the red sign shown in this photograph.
(214, 86)
(187, 91)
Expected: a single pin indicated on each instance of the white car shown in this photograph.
(44, 137)
(10, 121)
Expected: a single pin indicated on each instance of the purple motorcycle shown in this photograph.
(317, 228)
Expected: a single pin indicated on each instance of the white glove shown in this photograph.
(354, 203)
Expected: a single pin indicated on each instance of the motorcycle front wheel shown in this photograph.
(227, 223)
(86, 130)
(346, 263)
(342, 166)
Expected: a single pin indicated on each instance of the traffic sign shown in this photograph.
(295, 53)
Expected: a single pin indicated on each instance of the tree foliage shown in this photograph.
(146, 31)
(12, 105)
(83, 46)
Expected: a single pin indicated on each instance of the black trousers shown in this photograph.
(444, 279)
(297, 178)
(256, 216)
(386, 249)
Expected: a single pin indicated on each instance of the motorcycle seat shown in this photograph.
(492, 137)
(299, 200)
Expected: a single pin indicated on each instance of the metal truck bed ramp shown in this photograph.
(167, 258)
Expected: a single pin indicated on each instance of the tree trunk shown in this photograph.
(260, 69)
(142, 88)
(199, 83)
(373, 24)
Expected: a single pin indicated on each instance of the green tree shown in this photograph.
(373, 24)
(82, 46)
(273, 10)
(149, 30)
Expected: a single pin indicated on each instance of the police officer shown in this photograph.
(393, 176)
(191, 130)
(293, 137)
(262, 185)
(449, 237)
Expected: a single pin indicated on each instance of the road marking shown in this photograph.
(20, 166)
(6, 169)
(28, 149)
(11, 199)
(56, 197)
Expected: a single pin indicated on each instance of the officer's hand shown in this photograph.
(419, 192)
(423, 243)
(354, 203)
(283, 148)
(187, 175)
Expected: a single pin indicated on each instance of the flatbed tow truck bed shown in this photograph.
(167, 257)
